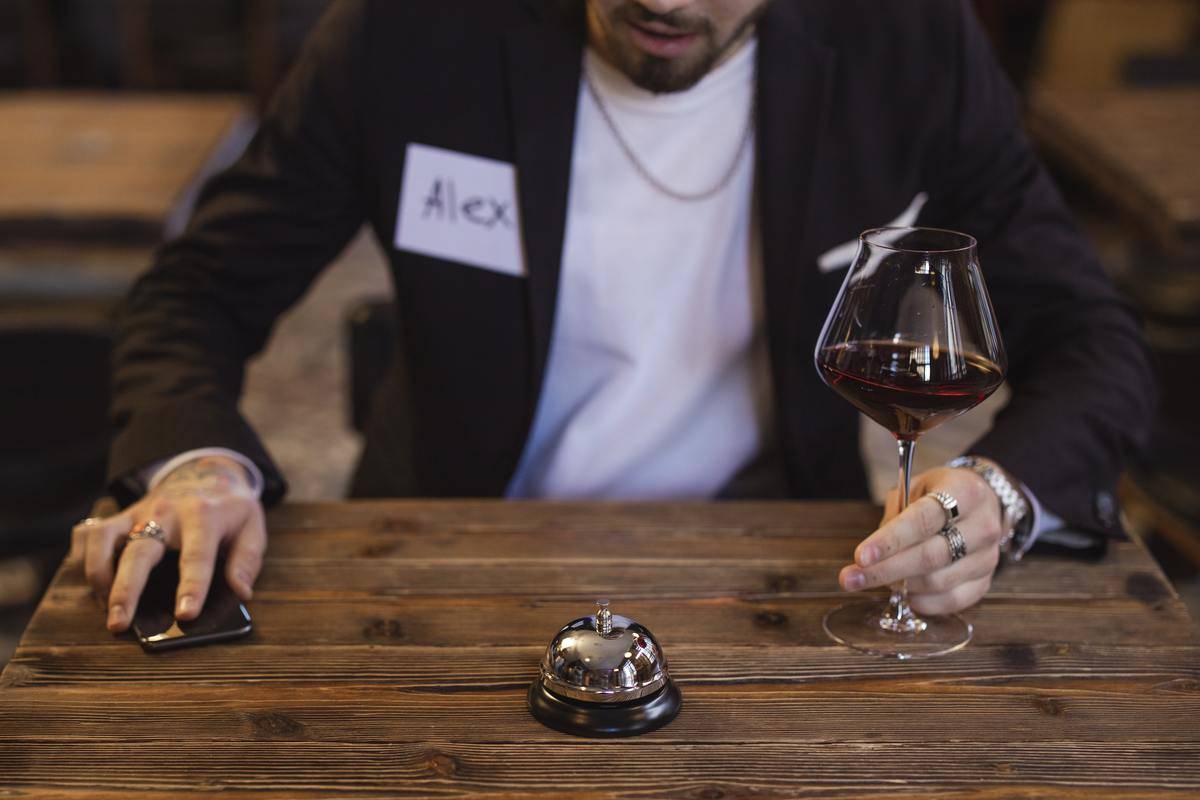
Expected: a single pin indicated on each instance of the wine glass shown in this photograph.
(911, 341)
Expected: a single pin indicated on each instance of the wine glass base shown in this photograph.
(866, 626)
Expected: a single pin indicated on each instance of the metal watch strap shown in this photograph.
(1013, 507)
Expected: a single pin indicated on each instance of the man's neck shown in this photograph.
(736, 45)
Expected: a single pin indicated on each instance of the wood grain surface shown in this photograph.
(82, 164)
(395, 640)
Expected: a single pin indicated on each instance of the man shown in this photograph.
(615, 228)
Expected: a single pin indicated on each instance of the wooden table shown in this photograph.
(83, 161)
(1138, 147)
(92, 182)
(395, 642)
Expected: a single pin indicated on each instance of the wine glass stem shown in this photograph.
(900, 617)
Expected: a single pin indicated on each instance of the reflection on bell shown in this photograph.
(604, 675)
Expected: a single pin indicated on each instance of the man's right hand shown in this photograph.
(203, 506)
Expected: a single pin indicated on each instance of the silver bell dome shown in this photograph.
(604, 658)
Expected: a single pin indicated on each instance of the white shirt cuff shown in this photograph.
(154, 474)
(1041, 520)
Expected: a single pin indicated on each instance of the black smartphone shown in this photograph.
(224, 615)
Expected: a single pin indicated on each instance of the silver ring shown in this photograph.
(88, 522)
(955, 541)
(948, 504)
(151, 530)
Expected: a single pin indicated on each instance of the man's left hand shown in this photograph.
(907, 545)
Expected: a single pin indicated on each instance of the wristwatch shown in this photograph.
(1014, 509)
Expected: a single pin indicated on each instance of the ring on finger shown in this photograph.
(151, 530)
(954, 541)
(949, 505)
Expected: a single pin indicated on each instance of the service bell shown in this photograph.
(604, 675)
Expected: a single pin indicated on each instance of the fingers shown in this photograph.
(916, 523)
(246, 555)
(928, 556)
(925, 515)
(98, 540)
(201, 538)
(907, 547)
(970, 568)
(137, 559)
(891, 506)
(193, 520)
(962, 596)
(102, 509)
(79, 538)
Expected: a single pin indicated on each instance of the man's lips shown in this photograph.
(661, 40)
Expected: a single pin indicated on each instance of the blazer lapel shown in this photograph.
(795, 75)
(544, 61)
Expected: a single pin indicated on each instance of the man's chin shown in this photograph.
(663, 76)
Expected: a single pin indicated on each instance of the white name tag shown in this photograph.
(460, 207)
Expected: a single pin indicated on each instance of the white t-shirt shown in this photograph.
(657, 384)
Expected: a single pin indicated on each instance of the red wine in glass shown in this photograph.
(893, 383)
(911, 341)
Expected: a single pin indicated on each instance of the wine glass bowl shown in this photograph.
(911, 341)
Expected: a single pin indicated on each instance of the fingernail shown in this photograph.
(867, 556)
(187, 604)
(855, 580)
(115, 615)
(244, 579)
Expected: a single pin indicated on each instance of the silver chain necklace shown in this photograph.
(686, 197)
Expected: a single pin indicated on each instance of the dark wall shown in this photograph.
(214, 45)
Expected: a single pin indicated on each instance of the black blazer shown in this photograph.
(862, 104)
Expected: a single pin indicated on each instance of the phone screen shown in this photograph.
(223, 617)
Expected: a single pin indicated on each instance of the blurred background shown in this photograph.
(113, 111)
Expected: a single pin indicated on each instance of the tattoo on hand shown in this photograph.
(204, 476)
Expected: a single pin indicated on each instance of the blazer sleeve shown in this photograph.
(261, 232)
(1083, 386)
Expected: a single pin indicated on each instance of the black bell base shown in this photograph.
(604, 720)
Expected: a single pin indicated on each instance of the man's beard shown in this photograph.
(659, 75)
